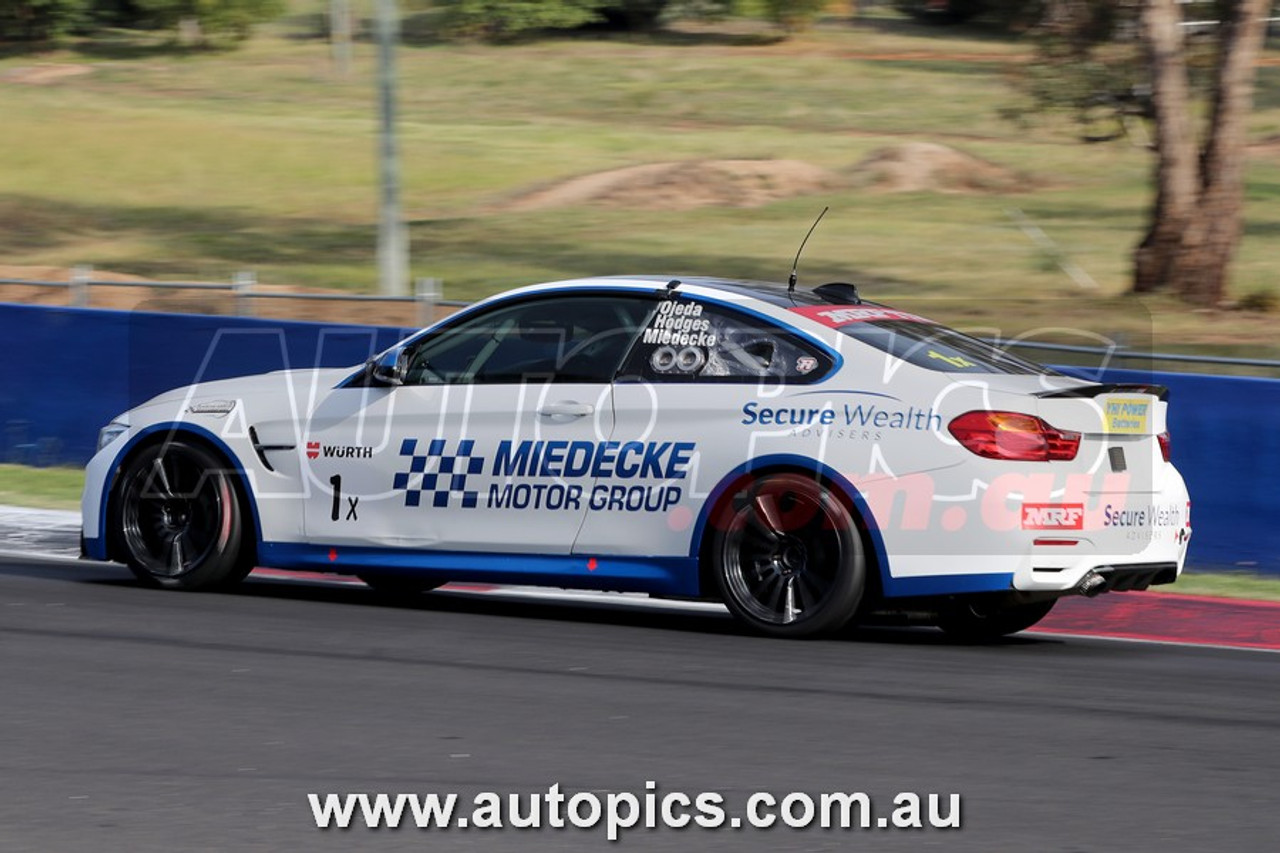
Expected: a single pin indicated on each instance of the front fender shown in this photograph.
(103, 472)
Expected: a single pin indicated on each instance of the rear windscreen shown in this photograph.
(921, 342)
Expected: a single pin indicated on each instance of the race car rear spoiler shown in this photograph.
(1097, 389)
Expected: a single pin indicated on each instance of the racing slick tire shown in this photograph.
(178, 518)
(978, 620)
(787, 557)
(398, 586)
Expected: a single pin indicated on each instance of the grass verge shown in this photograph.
(42, 488)
(1226, 584)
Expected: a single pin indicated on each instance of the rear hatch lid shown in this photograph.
(1119, 425)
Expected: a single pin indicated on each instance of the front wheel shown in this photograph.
(178, 518)
(788, 558)
(979, 621)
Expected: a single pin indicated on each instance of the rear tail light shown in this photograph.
(1014, 436)
(1166, 448)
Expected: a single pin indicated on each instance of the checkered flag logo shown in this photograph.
(435, 476)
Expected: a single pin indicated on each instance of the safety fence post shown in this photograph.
(80, 276)
(242, 284)
(427, 292)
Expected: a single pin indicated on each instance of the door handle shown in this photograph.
(566, 409)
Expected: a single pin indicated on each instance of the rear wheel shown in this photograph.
(179, 519)
(980, 620)
(787, 557)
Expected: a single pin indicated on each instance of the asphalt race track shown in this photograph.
(142, 720)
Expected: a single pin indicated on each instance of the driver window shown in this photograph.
(548, 339)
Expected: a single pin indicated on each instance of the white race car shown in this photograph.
(804, 457)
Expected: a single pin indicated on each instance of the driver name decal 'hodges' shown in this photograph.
(435, 477)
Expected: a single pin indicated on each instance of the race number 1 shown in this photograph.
(336, 482)
(336, 508)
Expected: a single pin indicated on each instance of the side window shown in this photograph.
(558, 339)
(691, 341)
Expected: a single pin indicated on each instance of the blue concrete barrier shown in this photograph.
(1226, 443)
(68, 371)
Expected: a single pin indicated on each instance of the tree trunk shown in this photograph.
(1223, 163)
(1176, 157)
(1196, 222)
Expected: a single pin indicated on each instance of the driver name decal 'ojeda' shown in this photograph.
(436, 478)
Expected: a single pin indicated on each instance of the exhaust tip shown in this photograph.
(1091, 585)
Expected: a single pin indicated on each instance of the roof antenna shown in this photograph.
(795, 265)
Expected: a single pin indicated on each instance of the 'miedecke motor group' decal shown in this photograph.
(440, 479)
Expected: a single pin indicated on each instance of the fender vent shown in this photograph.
(262, 449)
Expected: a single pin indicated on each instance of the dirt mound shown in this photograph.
(685, 185)
(43, 75)
(688, 184)
(1268, 145)
(929, 167)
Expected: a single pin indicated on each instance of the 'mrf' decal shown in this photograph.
(1053, 516)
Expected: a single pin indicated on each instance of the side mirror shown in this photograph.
(389, 368)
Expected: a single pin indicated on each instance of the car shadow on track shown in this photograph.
(654, 614)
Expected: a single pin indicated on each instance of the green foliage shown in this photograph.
(234, 18)
(942, 13)
(40, 20)
(1010, 15)
(705, 10)
(634, 14)
(793, 15)
(1090, 64)
(1262, 301)
(503, 20)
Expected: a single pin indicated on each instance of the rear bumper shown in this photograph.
(1049, 569)
(1139, 576)
(1143, 546)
